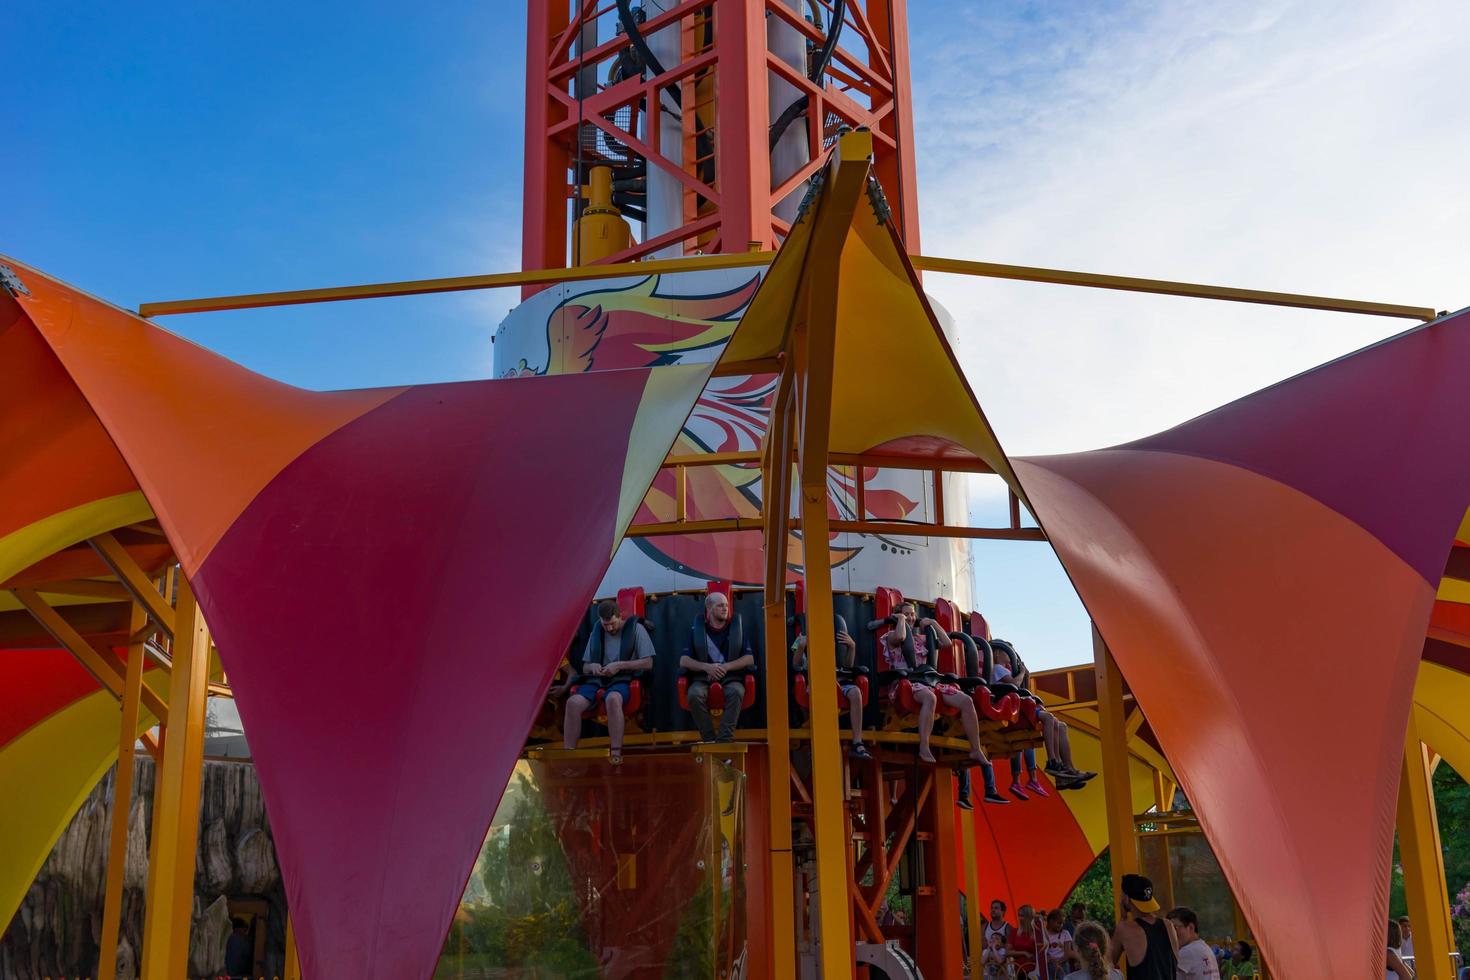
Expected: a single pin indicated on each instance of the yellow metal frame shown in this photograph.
(1117, 784)
(122, 801)
(168, 916)
(739, 260)
(1165, 287)
(811, 343)
(776, 476)
(799, 433)
(1422, 858)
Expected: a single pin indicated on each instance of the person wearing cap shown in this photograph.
(1196, 959)
(1148, 942)
(851, 693)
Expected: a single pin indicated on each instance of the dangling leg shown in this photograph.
(925, 698)
(855, 716)
(615, 724)
(571, 726)
(970, 721)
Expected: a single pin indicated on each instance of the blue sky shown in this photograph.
(156, 151)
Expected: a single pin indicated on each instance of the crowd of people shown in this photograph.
(1068, 945)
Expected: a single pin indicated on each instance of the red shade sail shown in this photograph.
(1264, 575)
(390, 575)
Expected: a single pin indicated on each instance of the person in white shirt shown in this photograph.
(1196, 959)
(1395, 968)
(1405, 930)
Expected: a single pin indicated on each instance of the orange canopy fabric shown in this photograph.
(61, 481)
(390, 575)
(1264, 575)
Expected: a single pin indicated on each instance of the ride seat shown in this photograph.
(716, 700)
(899, 696)
(632, 604)
(1029, 716)
(975, 661)
(857, 675)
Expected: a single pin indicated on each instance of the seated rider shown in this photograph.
(719, 653)
(905, 650)
(614, 650)
(851, 693)
(1053, 729)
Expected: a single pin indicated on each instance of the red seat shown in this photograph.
(632, 604)
(885, 603)
(799, 686)
(716, 700)
(1026, 707)
(1001, 708)
(631, 706)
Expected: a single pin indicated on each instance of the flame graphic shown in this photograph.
(636, 326)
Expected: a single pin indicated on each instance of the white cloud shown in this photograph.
(1300, 145)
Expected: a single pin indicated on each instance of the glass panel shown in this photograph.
(1200, 884)
(598, 871)
(1195, 877)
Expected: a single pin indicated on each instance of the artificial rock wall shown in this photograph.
(55, 932)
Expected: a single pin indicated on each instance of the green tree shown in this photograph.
(1452, 807)
(531, 921)
(1095, 890)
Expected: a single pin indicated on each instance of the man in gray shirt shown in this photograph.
(615, 650)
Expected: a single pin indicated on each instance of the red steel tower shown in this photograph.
(710, 114)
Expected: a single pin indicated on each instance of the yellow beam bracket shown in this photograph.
(1423, 861)
(292, 970)
(102, 663)
(142, 589)
(122, 801)
(776, 474)
(455, 284)
(168, 914)
(926, 263)
(1117, 783)
(1094, 280)
(812, 343)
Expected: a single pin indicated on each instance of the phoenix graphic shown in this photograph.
(638, 326)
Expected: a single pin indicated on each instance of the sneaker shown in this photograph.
(964, 803)
(1016, 791)
(996, 798)
(860, 751)
(1067, 782)
(1036, 787)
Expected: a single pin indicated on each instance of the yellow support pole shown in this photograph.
(122, 802)
(293, 959)
(454, 284)
(170, 906)
(813, 341)
(974, 921)
(1195, 290)
(1422, 857)
(776, 489)
(1117, 783)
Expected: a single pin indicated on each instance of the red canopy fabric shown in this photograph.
(1264, 576)
(391, 577)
